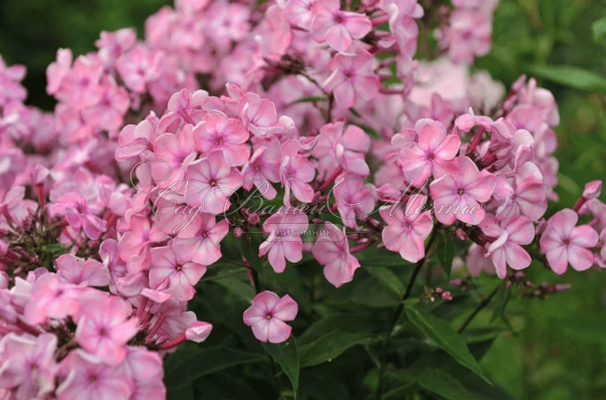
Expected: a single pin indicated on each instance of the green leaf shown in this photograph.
(250, 250)
(287, 356)
(388, 279)
(503, 296)
(182, 367)
(445, 253)
(216, 272)
(599, 30)
(573, 77)
(330, 346)
(242, 289)
(182, 393)
(446, 337)
(435, 381)
(308, 99)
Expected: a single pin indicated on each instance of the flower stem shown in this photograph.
(479, 308)
(398, 313)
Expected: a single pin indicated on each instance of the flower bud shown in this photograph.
(238, 232)
(253, 219)
(592, 190)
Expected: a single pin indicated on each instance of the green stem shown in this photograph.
(479, 308)
(398, 313)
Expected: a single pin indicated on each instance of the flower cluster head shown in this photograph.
(114, 206)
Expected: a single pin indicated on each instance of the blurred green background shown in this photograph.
(556, 348)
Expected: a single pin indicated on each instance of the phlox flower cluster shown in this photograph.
(113, 206)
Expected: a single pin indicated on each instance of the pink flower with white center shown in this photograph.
(10, 78)
(259, 115)
(433, 155)
(108, 112)
(263, 168)
(332, 251)
(267, 314)
(353, 76)
(458, 196)
(528, 197)
(211, 180)
(218, 132)
(299, 13)
(284, 242)
(335, 27)
(28, 365)
(336, 148)
(139, 237)
(199, 243)
(138, 67)
(175, 153)
(104, 328)
(143, 369)
(171, 274)
(407, 228)
(469, 34)
(296, 171)
(76, 270)
(355, 198)
(51, 298)
(78, 215)
(565, 243)
(137, 139)
(87, 378)
(58, 70)
(509, 235)
(14, 205)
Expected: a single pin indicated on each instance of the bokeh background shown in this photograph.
(555, 348)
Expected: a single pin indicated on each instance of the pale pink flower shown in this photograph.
(509, 235)
(211, 180)
(346, 149)
(51, 298)
(284, 242)
(174, 154)
(263, 168)
(267, 314)
(139, 237)
(217, 131)
(78, 215)
(528, 197)
(143, 369)
(104, 328)
(565, 243)
(296, 171)
(28, 365)
(332, 251)
(433, 155)
(407, 228)
(200, 242)
(352, 77)
(87, 378)
(108, 112)
(15, 206)
(170, 273)
(355, 198)
(259, 115)
(299, 13)
(76, 270)
(469, 34)
(58, 70)
(138, 67)
(335, 27)
(460, 196)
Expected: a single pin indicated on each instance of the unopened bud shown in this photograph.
(560, 287)
(592, 190)
(456, 282)
(238, 232)
(446, 296)
(253, 219)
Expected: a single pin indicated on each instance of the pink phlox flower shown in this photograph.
(565, 243)
(139, 66)
(78, 215)
(174, 153)
(259, 115)
(460, 196)
(112, 45)
(267, 314)
(137, 139)
(76, 270)
(331, 250)
(296, 171)
(408, 225)
(136, 241)
(58, 70)
(337, 28)
(52, 298)
(353, 76)
(510, 234)
(284, 231)
(355, 198)
(217, 131)
(262, 169)
(200, 242)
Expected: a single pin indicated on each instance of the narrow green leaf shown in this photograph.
(308, 99)
(287, 356)
(599, 29)
(388, 279)
(182, 368)
(446, 337)
(216, 272)
(243, 290)
(330, 346)
(446, 253)
(503, 296)
(573, 77)
(435, 381)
